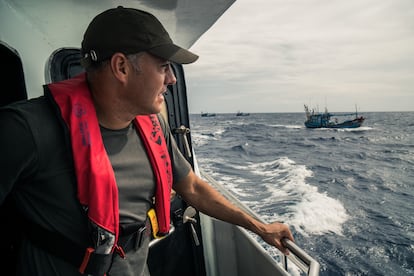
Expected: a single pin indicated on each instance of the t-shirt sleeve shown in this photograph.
(180, 165)
(18, 155)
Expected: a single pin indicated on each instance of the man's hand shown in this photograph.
(274, 233)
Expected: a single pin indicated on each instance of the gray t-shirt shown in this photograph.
(133, 171)
(136, 185)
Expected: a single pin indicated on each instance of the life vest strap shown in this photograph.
(83, 258)
(95, 264)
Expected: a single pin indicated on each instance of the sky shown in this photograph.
(277, 55)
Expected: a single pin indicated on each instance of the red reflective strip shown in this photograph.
(120, 251)
(85, 261)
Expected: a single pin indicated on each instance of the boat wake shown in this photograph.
(281, 185)
(313, 212)
(288, 126)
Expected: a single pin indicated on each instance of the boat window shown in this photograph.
(64, 63)
(11, 75)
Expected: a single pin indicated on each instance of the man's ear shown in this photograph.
(120, 66)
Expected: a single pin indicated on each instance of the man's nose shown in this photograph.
(170, 78)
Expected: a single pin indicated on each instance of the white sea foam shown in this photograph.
(218, 131)
(362, 128)
(295, 126)
(318, 214)
(229, 181)
(200, 139)
(314, 212)
(287, 126)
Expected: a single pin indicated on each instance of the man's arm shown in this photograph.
(207, 200)
(17, 156)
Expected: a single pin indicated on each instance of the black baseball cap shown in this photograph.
(129, 31)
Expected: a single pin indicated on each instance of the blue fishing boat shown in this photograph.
(206, 114)
(330, 120)
(239, 113)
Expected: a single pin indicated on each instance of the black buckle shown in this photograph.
(134, 240)
(139, 237)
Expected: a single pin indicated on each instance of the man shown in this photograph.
(85, 161)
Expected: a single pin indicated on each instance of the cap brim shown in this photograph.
(174, 53)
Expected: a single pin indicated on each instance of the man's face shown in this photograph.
(148, 82)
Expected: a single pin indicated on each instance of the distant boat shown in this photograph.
(206, 114)
(331, 120)
(242, 114)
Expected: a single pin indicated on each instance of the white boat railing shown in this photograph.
(297, 255)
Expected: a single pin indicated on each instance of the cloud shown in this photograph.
(280, 54)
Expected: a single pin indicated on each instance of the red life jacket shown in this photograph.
(96, 182)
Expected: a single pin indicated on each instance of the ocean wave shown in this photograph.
(200, 138)
(287, 126)
(240, 148)
(310, 211)
(359, 129)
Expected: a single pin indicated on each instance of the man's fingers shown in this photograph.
(280, 245)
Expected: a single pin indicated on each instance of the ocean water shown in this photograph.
(347, 194)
